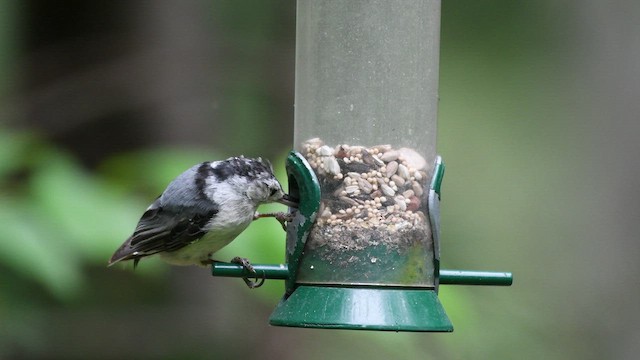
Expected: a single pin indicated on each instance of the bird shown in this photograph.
(204, 209)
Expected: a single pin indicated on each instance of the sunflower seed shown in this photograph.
(390, 156)
(417, 189)
(365, 186)
(391, 168)
(398, 180)
(404, 172)
(324, 151)
(351, 189)
(331, 165)
(387, 190)
(412, 158)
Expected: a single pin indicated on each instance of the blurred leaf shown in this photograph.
(65, 218)
(36, 250)
(90, 216)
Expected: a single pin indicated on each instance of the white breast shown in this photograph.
(202, 250)
(236, 213)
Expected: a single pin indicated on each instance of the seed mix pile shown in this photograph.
(370, 196)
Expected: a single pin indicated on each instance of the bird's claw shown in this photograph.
(282, 217)
(252, 284)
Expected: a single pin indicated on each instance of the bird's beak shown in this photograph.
(287, 200)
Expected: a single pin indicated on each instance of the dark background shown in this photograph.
(103, 102)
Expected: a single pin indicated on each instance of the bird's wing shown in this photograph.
(160, 230)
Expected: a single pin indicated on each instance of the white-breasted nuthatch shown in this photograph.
(203, 210)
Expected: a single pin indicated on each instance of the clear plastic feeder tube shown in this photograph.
(366, 97)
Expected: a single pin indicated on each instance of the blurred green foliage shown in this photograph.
(56, 217)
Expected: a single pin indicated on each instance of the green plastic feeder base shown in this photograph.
(362, 308)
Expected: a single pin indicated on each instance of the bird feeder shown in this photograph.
(363, 249)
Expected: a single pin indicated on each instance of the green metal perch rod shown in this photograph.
(447, 277)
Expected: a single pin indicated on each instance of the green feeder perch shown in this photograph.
(363, 250)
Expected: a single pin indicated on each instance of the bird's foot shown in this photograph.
(256, 282)
(282, 217)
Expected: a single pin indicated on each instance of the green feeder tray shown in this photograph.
(362, 308)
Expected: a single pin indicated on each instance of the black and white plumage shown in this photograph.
(202, 210)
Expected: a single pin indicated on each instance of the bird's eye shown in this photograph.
(273, 192)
